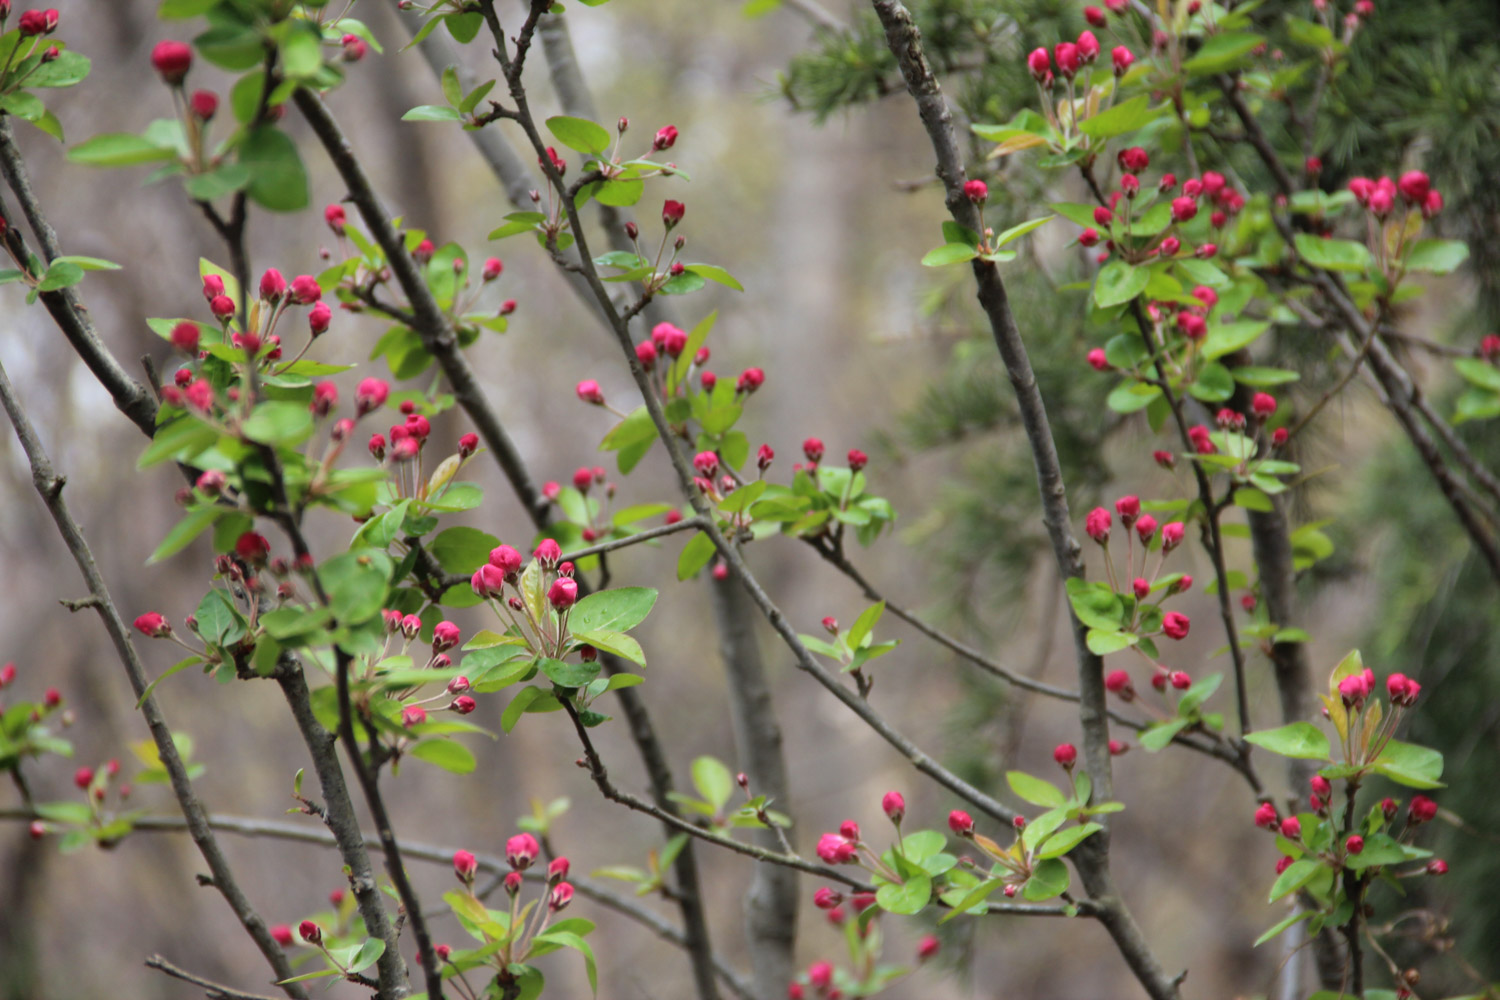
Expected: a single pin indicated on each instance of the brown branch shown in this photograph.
(130, 397)
(1092, 858)
(49, 486)
(215, 990)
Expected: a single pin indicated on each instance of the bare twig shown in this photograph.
(215, 990)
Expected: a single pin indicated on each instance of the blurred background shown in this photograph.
(812, 184)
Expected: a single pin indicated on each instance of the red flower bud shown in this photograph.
(272, 285)
(1097, 525)
(1266, 816)
(927, 947)
(153, 625)
(894, 806)
(813, 449)
(282, 935)
(1175, 624)
(305, 290)
(1066, 755)
(311, 932)
(1040, 64)
(563, 593)
(672, 213)
(204, 104)
(836, 849)
(1414, 185)
(976, 191)
(857, 459)
(1184, 208)
(750, 379)
(961, 823)
(171, 59)
(1421, 810)
(1122, 58)
(1291, 828)
(1355, 844)
(1437, 866)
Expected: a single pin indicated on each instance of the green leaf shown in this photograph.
(1222, 52)
(462, 549)
(617, 610)
(217, 183)
(1049, 878)
(617, 643)
(1437, 256)
(1411, 765)
(1065, 840)
(907, 898)
(1157, 736)
(1198, 694)
(695, 555)
(177, 667)
(1334, 255)
(1214, 384)
(1299, 739)
(279, 422)
(356, 582)
(60, 274)
(579, 133)
(568, 675)
(864, 624)
(433, 113)
(1016, 232)
(67, 69)
(1263, 378)
(1281, 925)
(949, 253)
(1119, 282)
(278, 178)
(1127, 116)
(367, 955)
(1227, 338)
(1296, 875)
(713, 781)
(302, 51)
(446, 754)
(716, 274)
(1095, 604)
(1477, 372)
(1037, 791)
(1102, 642)
(183, 533)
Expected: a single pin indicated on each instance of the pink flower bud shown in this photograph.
(894, 806)
(1118, 682)
(324, 398)
(1174, 625)
(282, 935)
(1320, 786)
(1402, 690)
(1097, 359)
(666, 138)
(1068, 58)
(1088, 47)
(1437, 866)
(1088, 238)
(563, 593)
(1433, 205)
(1421, 810)
(1266, 816)
(1141, 587)
(413, 715)
(849, 830)
(1282, 864)
(521, 850)
(1291, 828)
(336, 218)
(463, 704)
(589, 392)
(1094, 16)
(1171, 535)
(354, 48)
(706, 462)
(506, 559)
(311, 932)
(1184, 208)
(557, 870)
(442, 951)
(171, 59)
(424, 250)
(1040, 64)
(976, 191)
(83, 777)
(1097, 524)
(1103, 216)
(857, 460)
(204, 104)
(548, 552)
(672, 213)
(1355, 844)
(507, 307)
(487, 581)
(306, 290)
(750, 379)
(836, 849)
(1066, 755)
(927, 947)
(512, 883)
(826, 899)
(152, 625)
(1122, 58)
(1117, 748)
(961, 823)
(1414, 185)
(370, 394)
(465, 865)
(560, 896)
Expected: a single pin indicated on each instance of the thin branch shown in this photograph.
(50, 486)
(215, 990)
(1092, 858)
(130, 397)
